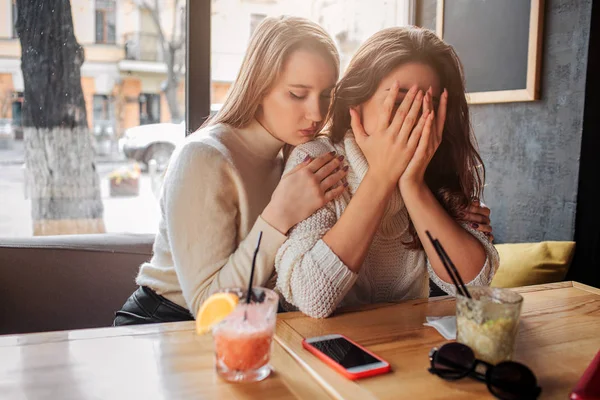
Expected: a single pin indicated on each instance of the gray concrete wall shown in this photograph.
(531, 150)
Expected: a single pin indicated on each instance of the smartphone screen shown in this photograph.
(345, 353)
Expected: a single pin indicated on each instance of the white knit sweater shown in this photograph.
(216, 186)
(314, 280)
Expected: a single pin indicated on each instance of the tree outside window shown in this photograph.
(105, 21)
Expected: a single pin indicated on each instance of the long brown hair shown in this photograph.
(456, 173)
(273, 41)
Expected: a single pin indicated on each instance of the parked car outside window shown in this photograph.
(155, 141)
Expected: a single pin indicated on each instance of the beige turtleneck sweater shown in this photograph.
(314, 280)
(216, 186)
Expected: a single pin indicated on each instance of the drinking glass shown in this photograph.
(243, 340)
(488, 322)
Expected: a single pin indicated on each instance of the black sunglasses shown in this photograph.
(507, 380)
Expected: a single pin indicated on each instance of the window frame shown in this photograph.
(105, 14)
(14, 15)
(197, 71)
(148, 104)
(106, 102)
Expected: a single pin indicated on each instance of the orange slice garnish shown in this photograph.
(213, 310)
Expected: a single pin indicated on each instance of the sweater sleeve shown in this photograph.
(486, 273)
(310, 276)
(202, 211)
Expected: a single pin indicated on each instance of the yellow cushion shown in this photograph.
(523, 264)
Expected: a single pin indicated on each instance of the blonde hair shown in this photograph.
(273, 41)
(456, 173)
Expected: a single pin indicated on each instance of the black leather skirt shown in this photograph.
(144, 306)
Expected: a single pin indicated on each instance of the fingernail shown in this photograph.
(413, 89)
(307, 158)
(341, 158)
(345, 168)
(333, 153)
(336, 170)
(474, 225)
(346, 184)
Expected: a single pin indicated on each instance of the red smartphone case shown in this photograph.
(352, 376)
(588, 386)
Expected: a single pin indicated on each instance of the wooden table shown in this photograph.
(558, 337)
(145, 362)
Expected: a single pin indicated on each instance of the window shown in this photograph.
(349, 23)
(14, 18)
(119, 95)
(103, 107)
(105, 21)
(255, 20)
(149, 108)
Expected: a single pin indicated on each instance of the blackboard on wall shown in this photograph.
(499, 44)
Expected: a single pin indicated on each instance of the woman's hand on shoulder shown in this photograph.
(305, 189)
(477, 215)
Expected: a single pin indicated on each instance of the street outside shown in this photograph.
(136, 214)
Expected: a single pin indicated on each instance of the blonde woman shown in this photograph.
(225, 185)
(400, 118)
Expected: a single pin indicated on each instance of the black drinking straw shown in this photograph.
(461, 288)
(249, 294)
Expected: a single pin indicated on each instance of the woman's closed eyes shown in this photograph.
(295, 96)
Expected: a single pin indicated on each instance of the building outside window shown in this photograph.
(149, 108)
(255, 20)
(125, 85)
(103, 107)
(105, 21)
(120, 94)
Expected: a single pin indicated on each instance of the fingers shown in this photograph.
(405, 125)
(475, 218)
(328, 168)
(357, 128)
(485, 228)
(426, 135)
(307, 160)
(334, 179)
(426, 103)
(320, 161)
(475, 209)
(335, 193)
(388, 105)
(402, 111)
(415, 136)
(442, 108)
